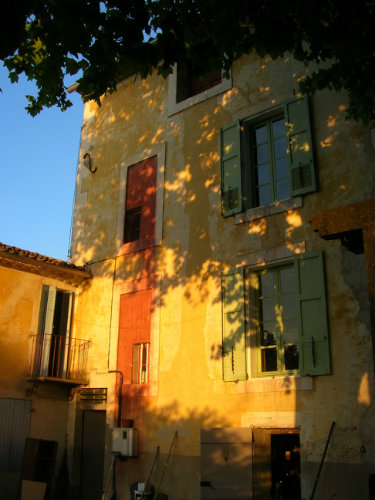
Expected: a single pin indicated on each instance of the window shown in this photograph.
(267, 160)
(187, 86)
(288, 316)
(133, 355)
(193, 80)
(141, 199)
(140, 205)
(190, 84)
(141, 363)
(52, 346)
(132, 224)
(277, 322)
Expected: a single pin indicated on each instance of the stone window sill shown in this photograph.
(266, 210)
(287, 384)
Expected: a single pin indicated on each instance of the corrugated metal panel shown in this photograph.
(14, 429)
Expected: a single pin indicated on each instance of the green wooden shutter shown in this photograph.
(48, 306)
(231, 189)
(312, 314)
(42, 309)
(50, 310)
(234, 361)
(300, 152)
(69, 314)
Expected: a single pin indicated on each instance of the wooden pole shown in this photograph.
(165, 467)
(149, 477)
(322, 461)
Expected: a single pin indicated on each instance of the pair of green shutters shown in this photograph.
(312, 317)
(55, 311)
(300, 157)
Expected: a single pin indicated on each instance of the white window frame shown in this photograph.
(138, 364)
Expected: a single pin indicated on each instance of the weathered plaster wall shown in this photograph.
(20, 294)
(198, 244)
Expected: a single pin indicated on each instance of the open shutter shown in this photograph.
(48, 329)
(231, 169)
(50, 310)
(234, 361)
(43, 308)
(67, 305)
(312, 314)
(300, 152)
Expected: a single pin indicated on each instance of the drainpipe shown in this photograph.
(119, 395)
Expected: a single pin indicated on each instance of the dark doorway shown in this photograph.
(93, 441)
(285, 467)
(61, 329)
(276, 464)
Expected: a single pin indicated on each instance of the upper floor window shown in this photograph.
(141, 198)
(267, 159)
(190, 84)
(140, 205)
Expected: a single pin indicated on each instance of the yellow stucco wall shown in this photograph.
(197, 246)
(20, 294)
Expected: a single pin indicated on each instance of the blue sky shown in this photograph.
(38, 163)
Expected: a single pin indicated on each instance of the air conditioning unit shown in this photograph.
(125, 441)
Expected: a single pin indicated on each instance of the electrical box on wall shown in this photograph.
(125, 441)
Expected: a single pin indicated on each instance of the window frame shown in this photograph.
(245, 316)
(237, 181)
(280, 340)
(251, 189)
(158, 151)
(143, 240)
(137, 373)
(187, 87)
(132, 224)
(176, 107)
(51, 309)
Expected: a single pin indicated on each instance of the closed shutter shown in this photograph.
(14, 429)
(231, 169)
(234, 361)
(312, 312)
(226, 463)
(300, 152)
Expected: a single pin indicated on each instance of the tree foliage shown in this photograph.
(102, 41)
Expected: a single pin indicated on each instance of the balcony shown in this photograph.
(56, 358)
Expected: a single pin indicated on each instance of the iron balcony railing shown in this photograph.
(59, 357)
